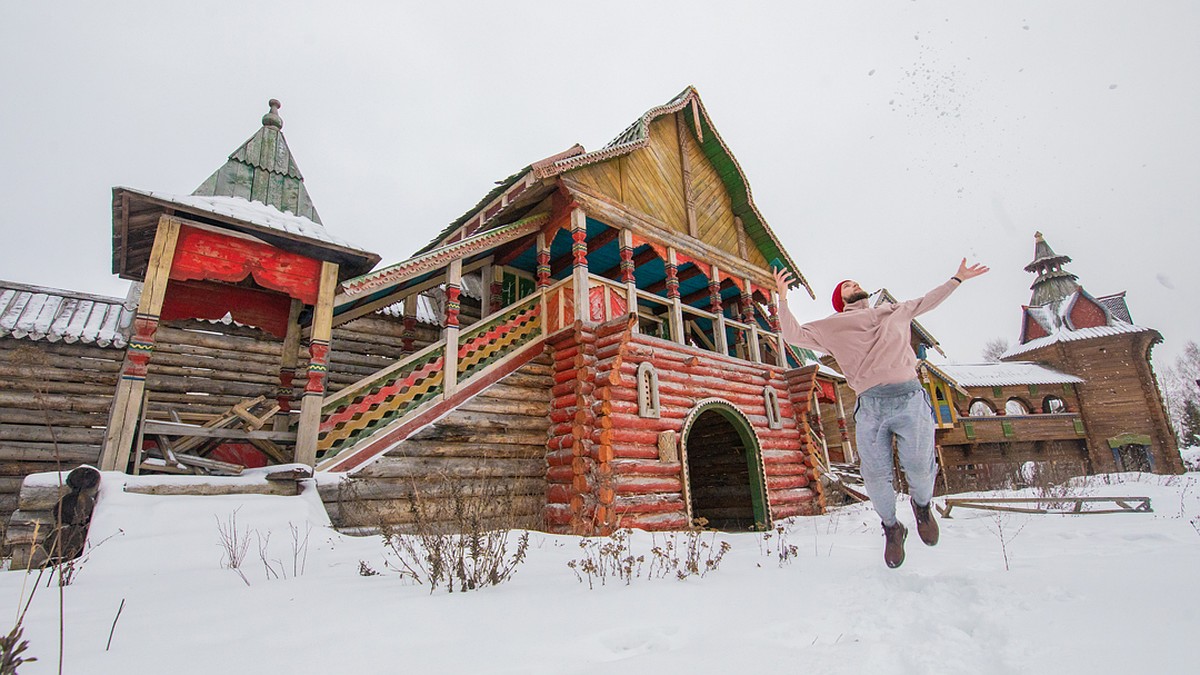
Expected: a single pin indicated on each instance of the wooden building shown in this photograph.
(1076, 396)
(593, 345)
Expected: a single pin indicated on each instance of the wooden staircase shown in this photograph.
(487, 454)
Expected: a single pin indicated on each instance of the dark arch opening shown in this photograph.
(724, 478)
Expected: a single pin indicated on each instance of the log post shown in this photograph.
(717, 306)
(543, 261)
(318, 366)
(773, 320)
(748, 318)
(450, 355)
(627, 274)
(287, 367)
(579, 272)
(410, 323)
(495, 281)
(673, 296)
(118, 438)
(847, 447)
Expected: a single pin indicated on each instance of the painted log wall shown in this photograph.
(489, 454)
(604, 467)
(54, 400)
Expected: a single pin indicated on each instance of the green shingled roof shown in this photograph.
(263, 170)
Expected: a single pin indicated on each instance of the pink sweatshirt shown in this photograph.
(872, 345)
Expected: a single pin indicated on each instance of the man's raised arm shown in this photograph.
(793, 332)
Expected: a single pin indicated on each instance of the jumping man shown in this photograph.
(871, 345)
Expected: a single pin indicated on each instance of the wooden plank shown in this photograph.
(161, 428)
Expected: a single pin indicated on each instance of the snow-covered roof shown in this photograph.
(1054, 318)
(253, 213)
(1005, 373)
(35, 313)
(1064, 335)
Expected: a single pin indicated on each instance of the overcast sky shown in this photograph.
(882, 140)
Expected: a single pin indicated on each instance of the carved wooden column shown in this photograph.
(748, 318)
(543, 261)
(773, 322)
(676, 309)
(579, 272)
(318, 367)
(290, 355)
(627, 273)
(127, 400)
(717, 306)
(450, 358)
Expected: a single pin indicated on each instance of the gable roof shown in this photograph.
(1055, 319)
(632, 138)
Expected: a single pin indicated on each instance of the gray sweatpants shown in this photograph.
(901, 410)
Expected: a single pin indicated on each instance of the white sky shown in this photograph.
(883, 140)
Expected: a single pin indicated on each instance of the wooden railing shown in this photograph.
(384, 399)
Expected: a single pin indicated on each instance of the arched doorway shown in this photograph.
(723, 468)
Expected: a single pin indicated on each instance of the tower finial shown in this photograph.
(272, 118)
(1038, 236)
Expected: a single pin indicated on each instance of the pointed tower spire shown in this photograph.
(263, 170)
(1053, 283)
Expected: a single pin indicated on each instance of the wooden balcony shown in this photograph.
(1009, 428)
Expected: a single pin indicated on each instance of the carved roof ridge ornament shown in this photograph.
(263, 170)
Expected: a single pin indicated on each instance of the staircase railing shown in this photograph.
(387, 399)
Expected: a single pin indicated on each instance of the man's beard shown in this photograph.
(861, 295)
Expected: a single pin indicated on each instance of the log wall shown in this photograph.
(54, 400)
(487, 456)
(605, 468)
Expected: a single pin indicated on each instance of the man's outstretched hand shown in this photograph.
(971, 272)
(783, 279)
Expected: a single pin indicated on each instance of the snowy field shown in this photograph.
(1083, 594)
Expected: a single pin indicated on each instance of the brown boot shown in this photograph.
(927, 526)
(893, 549)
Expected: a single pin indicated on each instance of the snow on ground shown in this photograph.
(1084, 594)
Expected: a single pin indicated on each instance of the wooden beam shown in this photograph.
(685, 163)
(690, 273)
(119, 436)
(510, 251)
(314, 390)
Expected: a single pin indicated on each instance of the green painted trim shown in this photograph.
(969, 429)
(1129, 439)
(1008, 428)
(1033, 390)
(758, 488)
(997, 392)
(1079, 431)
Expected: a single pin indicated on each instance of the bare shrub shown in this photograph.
(607, 557)
(1005, 533)
(234, 544)
(774, 544)
(686, 554)
(462, 542)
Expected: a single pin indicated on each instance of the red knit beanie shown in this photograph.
(838, 303)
